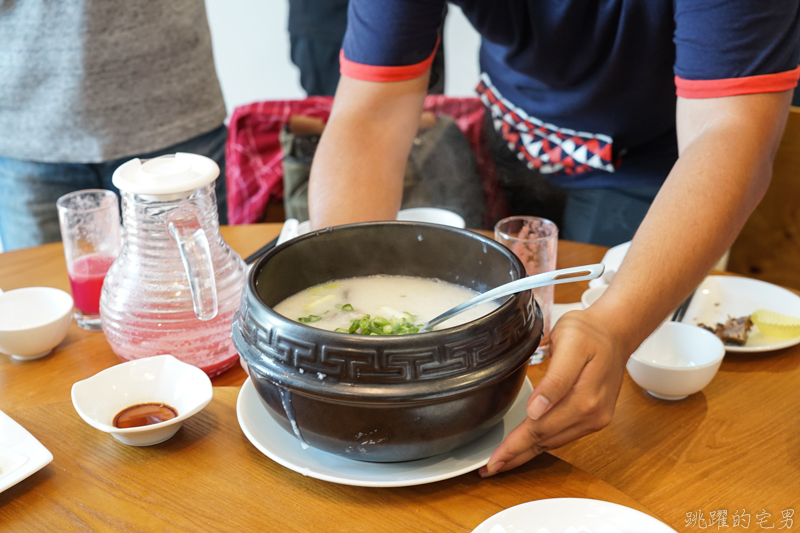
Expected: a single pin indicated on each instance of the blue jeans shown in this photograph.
(29, 190)
(606, 216)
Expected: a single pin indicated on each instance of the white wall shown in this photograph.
(251, 50)
(461, 44)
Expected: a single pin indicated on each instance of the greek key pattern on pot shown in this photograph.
(389, 365)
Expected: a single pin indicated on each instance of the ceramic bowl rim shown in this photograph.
(378, 339)
(716, 361)
(61, 316)
(152, 427)
(436, 215)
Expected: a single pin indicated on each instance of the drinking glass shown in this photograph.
(535, 241)
(90, 231)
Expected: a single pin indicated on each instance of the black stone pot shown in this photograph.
(386, 398)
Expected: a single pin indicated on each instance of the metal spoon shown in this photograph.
(565, 275)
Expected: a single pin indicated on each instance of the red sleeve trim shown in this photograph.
(359, 71)
(765, 83)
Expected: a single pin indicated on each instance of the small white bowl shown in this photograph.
(591, 295)
(158, 379)
(676, 360)
(432, 215)
(33, 321)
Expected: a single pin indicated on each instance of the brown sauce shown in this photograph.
(144, 414)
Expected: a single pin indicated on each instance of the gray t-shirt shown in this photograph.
(87, 81)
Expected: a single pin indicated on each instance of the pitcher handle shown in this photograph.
(196, 258)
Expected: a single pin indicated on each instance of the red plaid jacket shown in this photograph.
(254, 170)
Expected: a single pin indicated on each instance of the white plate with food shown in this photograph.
(571, 515)
(720, 298)
(20, 453)
(285, 449)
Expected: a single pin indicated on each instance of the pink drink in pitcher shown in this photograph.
(86, 279)
(176, 284)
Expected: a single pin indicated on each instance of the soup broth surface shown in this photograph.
(405, 302)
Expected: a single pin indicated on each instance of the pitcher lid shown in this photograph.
(166, 174)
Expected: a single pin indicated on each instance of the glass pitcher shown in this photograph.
(176, 283)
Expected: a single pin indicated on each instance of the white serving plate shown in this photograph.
(285, 449)
(20, 453)
(571, 515)
(719, 297)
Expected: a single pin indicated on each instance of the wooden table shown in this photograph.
(734, 445)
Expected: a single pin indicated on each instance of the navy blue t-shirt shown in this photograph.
(319, 19)
(586, 89)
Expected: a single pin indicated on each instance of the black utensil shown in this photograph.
(252, 258)
(680, 312)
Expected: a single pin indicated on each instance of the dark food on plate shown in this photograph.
(733, 332)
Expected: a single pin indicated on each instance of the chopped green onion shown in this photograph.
(345, 307)
(310, 318)
(381, 326)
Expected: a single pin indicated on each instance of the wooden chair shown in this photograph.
(768, 248)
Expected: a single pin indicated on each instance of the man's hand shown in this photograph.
(574, 398)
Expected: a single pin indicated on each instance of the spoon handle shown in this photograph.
(555, 277)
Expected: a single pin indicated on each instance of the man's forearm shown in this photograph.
(722, 173)
(359, 165)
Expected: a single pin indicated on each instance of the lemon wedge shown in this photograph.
(776, 325)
